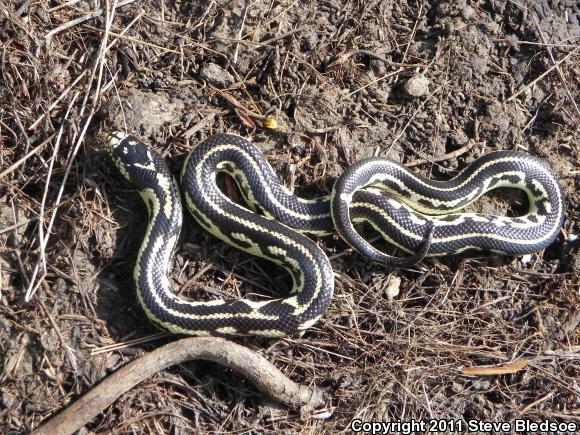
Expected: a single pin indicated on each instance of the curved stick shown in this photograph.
(263, 374)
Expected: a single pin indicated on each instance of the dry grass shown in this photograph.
(69, 229)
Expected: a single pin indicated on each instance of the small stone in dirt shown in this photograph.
(380, 94)
(49, 341)
(216, 75)
(459, 137)
(37, 408)
(467, 12)
(60, 285)
(144, 113)
(8, 400)
(417, 86)
(112, 361)
(457, 387)
(393, 287)
(481, 385)
(498, 115)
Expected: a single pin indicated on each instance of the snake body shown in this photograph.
(419, 216)
(417, 206)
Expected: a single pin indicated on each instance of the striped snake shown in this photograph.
(417, 215)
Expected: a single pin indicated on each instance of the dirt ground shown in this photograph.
(430, 84)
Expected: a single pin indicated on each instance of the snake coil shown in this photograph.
(420, 216)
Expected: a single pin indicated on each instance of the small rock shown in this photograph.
(481, 384)
(8, 400)
(494, 109)
(49, 340)
(38, 408)
(498, 116)
(457, 387)
(216, 75)
(113, 361)
(393, 287)
(380, 95)
(144, 113)
(467, 12)
(459, 137)
(60, 285)
(417, 86)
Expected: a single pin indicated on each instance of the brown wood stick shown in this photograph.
(263, 374)
(453, 154)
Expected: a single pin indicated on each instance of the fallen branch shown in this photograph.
(263, 374)
(447, 156)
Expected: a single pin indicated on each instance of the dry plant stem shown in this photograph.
(43, 240)
(447, 156)
(549, 50)
(79, 20)
(96, 71)
(19, 162)
(263, 374)
(234, 102)
(341, 58)
(544, 74)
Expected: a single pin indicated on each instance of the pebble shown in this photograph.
(417, 86)
(393, 287)
(467, 12)
(8, 400)
(216, 75)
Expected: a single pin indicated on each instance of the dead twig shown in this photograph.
(263, 374)
(283, 35)
(544, 74)
(79, 20)
(549, 50)
(23, 159)
(343, 57)
(447, 156)
(96, 72)
(506, 368)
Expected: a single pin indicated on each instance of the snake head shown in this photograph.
(135, 160)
